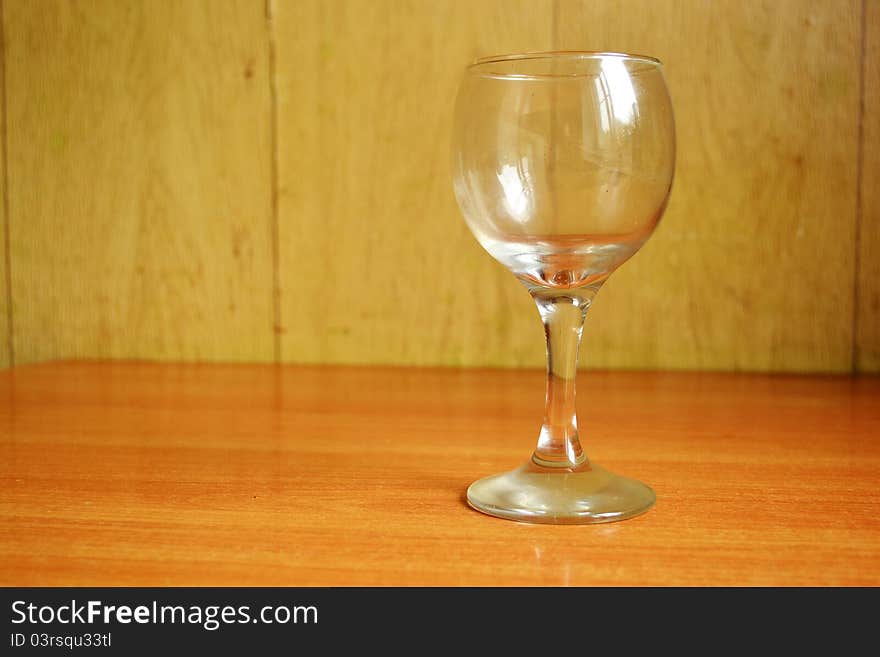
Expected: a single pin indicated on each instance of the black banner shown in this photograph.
(181, 620)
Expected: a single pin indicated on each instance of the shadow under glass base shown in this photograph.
(560, 496)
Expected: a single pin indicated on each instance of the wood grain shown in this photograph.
(5, 352)
(139, 185)
(868, 281)
(145, 474)
(140, 168)
(762, 217)
(377, 265)
(751, 268)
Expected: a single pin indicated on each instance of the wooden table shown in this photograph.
(147, 474)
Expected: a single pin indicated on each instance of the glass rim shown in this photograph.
(480, 62)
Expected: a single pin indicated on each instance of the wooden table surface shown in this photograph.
(148, 474)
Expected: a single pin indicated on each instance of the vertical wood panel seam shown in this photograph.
(5, 182)
(860, 156)
(273, 173)
(554, 26)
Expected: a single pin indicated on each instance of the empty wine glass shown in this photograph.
(562, 164)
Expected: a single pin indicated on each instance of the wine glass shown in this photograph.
(562, 164)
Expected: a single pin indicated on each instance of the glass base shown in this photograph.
(560, 496)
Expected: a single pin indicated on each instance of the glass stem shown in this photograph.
(563, 313)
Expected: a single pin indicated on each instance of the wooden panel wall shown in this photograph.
(139, 179)
(752, 266)
(377, 265)
(246, 181)
(868, 282)
(5, 351)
